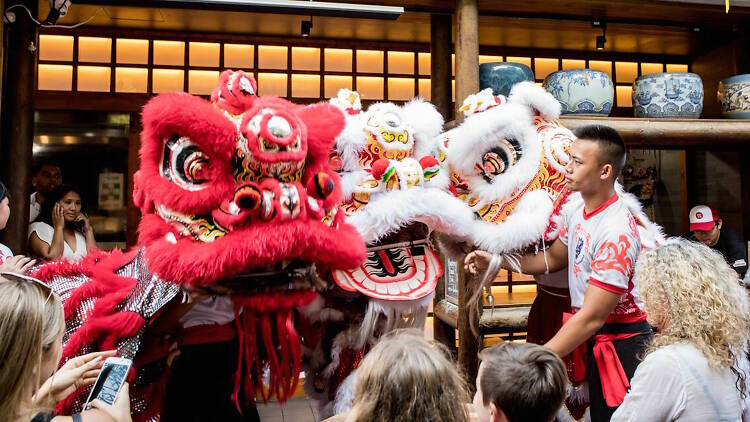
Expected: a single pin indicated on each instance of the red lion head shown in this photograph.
(239, 185)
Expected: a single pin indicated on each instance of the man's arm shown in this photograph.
(557, 259)
(597, 305)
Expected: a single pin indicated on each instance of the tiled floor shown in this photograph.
(298, 409)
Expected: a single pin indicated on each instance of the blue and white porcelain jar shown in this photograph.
(501, 76)
(582, 91)
(668, 95)
(734, 97)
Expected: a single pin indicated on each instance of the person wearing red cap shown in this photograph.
(706, 227)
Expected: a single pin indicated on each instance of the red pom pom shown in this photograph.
(428, 161)
(379, 167)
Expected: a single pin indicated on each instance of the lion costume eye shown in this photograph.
(184, 163)
(499, 159)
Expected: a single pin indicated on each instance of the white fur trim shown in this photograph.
(522, 228)
(350, 182)
(350, 143)
(530, 95)
(389, 211)
(427, 124)
(651, 234)
(481, 132)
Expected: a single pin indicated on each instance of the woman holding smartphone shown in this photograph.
(30, 382)
(61, 230)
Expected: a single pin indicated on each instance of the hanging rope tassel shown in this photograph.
(268, 321)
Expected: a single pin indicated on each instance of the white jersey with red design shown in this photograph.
(603, 246)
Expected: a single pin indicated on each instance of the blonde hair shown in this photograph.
(30, 321)
(525, 381)
(692, 289)
(405, 378)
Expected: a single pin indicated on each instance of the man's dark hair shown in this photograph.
(3, 192)
(611, 145)
(39, 165)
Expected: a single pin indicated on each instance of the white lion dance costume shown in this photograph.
(389, 163)
(507, 164)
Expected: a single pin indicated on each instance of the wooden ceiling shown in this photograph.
(634, 26)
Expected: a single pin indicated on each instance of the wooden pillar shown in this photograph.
(18, 124)
(134, 162)
(441, 47)
(468, 343)
(467, 51)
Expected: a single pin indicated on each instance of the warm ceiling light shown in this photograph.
(306, 27)
(295, 7)
(600, 41)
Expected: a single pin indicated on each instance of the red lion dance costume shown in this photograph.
(236, 193)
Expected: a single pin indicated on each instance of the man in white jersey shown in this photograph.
(599, 245)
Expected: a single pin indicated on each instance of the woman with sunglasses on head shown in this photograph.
(61, 230)
(8, 262)
(31, 331)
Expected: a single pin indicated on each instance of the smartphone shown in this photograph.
(110, 380)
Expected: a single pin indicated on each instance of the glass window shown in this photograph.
(272, 57)
(401, 62)
(169, 53)
(56, 48)
(370, 87)
(168, 80)
(204, 54)
(338, 60)
(202, 82)
(334, 83)
(93, 49)
(400, 89)
(129, 79)
(238, 56)
(305, 58)
(93, 78)
(272, 84)
(306, 86)
(131, 51)
(55, 77)
(369, 61)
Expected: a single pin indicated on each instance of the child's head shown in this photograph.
(31, 330)
(519, 382)
(405, 378)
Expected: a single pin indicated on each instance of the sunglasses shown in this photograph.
(47, 290)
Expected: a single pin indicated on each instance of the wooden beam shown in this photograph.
(441, 46)
(672, 133)
(18, 124)
(467, 51)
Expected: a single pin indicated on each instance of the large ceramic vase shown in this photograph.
(582, 91)
(668, 95)
(734, 97)
(501, 76)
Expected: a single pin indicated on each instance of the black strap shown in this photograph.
(628, 327)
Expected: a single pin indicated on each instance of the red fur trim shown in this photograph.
(258, 246)
(215, 135)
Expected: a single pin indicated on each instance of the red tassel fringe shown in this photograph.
(268, 320)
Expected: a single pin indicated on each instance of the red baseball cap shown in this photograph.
(703, 218)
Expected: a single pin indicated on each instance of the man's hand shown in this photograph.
(477, 262)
